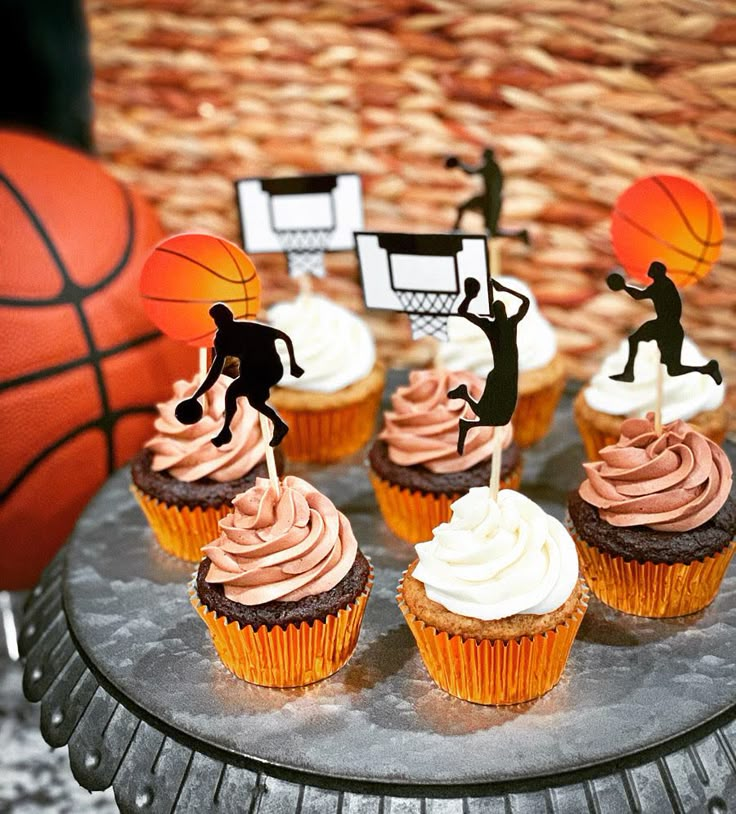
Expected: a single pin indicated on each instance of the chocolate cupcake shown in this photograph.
(415, 468)
(284, 587)
(183, 483)
(655, 520)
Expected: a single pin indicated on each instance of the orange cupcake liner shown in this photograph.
(286, 656)
(534, 413)
(496, 672)
(593, 439)
(181, 531)
(413, 515)
(657, 590)
(323, 436)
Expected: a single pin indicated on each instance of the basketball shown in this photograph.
(186, 274)
(188, 411)
(670, 219)
(82, 367)
(615, 281)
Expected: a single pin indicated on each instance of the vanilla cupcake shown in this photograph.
(601, 407)
(416, 471)
(494, 600)
(541, 367)
(183, 482)
(331, 410)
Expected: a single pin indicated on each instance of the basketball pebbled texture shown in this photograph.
(670, 219)
(82, 367)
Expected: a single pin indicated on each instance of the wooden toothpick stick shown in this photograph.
(496, 455)
(273, 475)
(660, 395)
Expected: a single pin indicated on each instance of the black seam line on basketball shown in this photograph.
(97, 424)
(699, 261)
(244, 282)
(75, 363)
(661, 240)
(177, 301)
(196, 263)
(680, 211)
(70, 286)
(211, 333)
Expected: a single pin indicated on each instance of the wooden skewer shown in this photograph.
(273, 475)
(660, 395)
(496, 455)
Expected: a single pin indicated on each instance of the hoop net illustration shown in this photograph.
(305, 250)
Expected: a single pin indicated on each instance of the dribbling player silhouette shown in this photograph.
(489, 202)
(496, 405)
(665, 329)
(254, 344)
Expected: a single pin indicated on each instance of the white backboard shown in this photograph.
(391, 263)
(272, 208)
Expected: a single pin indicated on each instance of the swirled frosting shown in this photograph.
(468, 348)
(422, 426)
(333, 345)
(281, 547)
(674, 481)
(683, 396)
(498, 558)
(187, 452)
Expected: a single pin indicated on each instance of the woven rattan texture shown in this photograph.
(578, 98)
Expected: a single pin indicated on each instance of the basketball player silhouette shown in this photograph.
(254, 345)
(665, 329)
(489, 202)
(497, 403)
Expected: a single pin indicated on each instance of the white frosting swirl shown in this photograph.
(683, 396)
(333, 345)
(498, 558)
(468, 348)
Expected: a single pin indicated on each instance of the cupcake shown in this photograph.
(331, 410)
(415, 468)
(541, 367)
(183, 483)
(601, 407)
(494, 599)
(284, 586)
(655, 521)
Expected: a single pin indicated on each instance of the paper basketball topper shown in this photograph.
(668, 219)
(186, 274)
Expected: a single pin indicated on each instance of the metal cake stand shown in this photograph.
(128, 679)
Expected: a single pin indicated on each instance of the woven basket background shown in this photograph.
(578, 99)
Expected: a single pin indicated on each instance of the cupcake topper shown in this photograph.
(303, 217)
(667, 230)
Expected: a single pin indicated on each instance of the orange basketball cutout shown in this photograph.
(668, 219)
(186, 274)
(82, 368)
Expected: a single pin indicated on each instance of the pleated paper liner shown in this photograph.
(534, 410)
(412, 515)
(181, 531)
(495, 672)
(286, 657)
(657, 590)
(323, 436)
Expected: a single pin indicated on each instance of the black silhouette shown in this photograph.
(254, 345)
(489, 202)
(665, 329)
(498, 401)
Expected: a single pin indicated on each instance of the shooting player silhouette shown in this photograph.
(496, 404)
(254, 344)
(665, 329)
(489, 202)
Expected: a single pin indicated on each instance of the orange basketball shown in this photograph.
(670, 219)
(82, 367)
(186, 274)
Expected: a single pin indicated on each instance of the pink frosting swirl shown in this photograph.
(187, 452)
(422, 427)
(674, 481)
(281, 547)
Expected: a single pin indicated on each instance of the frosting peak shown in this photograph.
(281, 547)
(187, 452)
(498, 558)
(675, 481)
(422, 426)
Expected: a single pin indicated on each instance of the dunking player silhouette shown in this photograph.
(665, 329)
(254, 344)
(497, 403)
(489, 202)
